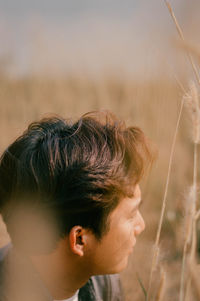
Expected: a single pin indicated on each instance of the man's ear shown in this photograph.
(78, 240)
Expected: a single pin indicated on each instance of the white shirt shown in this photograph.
(73, 298)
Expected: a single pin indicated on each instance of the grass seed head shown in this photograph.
(189, 212)
(192, 103)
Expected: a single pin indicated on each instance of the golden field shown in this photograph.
(152, 105)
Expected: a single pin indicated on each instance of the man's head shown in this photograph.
(71, 173)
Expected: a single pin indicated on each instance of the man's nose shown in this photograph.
(140, 226)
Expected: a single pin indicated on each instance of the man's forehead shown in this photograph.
(130, 201)
(133, 201)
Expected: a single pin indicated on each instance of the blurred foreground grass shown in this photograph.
(151, 105)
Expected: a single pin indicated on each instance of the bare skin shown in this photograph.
(80, 255)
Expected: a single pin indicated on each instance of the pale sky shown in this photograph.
(62, 36)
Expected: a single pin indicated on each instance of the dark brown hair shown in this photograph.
(77, 170)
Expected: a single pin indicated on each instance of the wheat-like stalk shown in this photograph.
(170, 161)
(161, 288)
(180, 32)
(190, 208)
(192, 101)
(194, 273)
(194, 50)
(156, 247)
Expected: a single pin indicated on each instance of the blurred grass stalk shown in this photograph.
(193, 103)
(161, 288)
(156, 246)
(180, 32)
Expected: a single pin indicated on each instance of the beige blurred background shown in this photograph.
(71, 57)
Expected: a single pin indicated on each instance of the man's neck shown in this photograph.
(61, 271)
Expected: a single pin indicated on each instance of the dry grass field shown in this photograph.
(154, 106)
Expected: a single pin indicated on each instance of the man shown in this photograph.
(70, 196)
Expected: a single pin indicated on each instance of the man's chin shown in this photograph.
(122, 266)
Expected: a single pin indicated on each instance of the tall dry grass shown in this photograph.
(154, 106)
(190, 246)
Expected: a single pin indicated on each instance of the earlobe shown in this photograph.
(76, 240)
